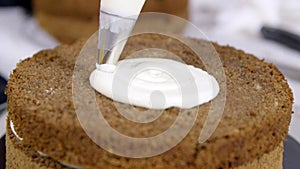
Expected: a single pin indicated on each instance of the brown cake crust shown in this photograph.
(74, 19)
(255, 121)
(21, 156)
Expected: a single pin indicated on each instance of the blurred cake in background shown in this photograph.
(69, 20)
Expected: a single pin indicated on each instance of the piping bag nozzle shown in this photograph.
(115, 28)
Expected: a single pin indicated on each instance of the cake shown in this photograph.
(43, 130)
(69, 20)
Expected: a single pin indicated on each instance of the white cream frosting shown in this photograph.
(12, 128)
(123, 8)
(155, 83)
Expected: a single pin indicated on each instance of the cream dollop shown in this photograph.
(12, 128)
(155, 83)
(123, 8)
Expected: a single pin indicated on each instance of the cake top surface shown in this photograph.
(255, 118)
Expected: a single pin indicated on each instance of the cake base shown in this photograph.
(20, 156)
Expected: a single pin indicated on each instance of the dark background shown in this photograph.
(2, 153)
(2, 88)
(24, 3)
(2, 140)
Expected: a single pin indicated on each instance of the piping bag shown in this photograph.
(117, 20)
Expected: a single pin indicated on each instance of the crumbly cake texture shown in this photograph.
(255, 120)
(20, 156)
(74, 19)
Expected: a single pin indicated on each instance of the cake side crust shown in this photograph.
(246, 132)
(20, 156)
